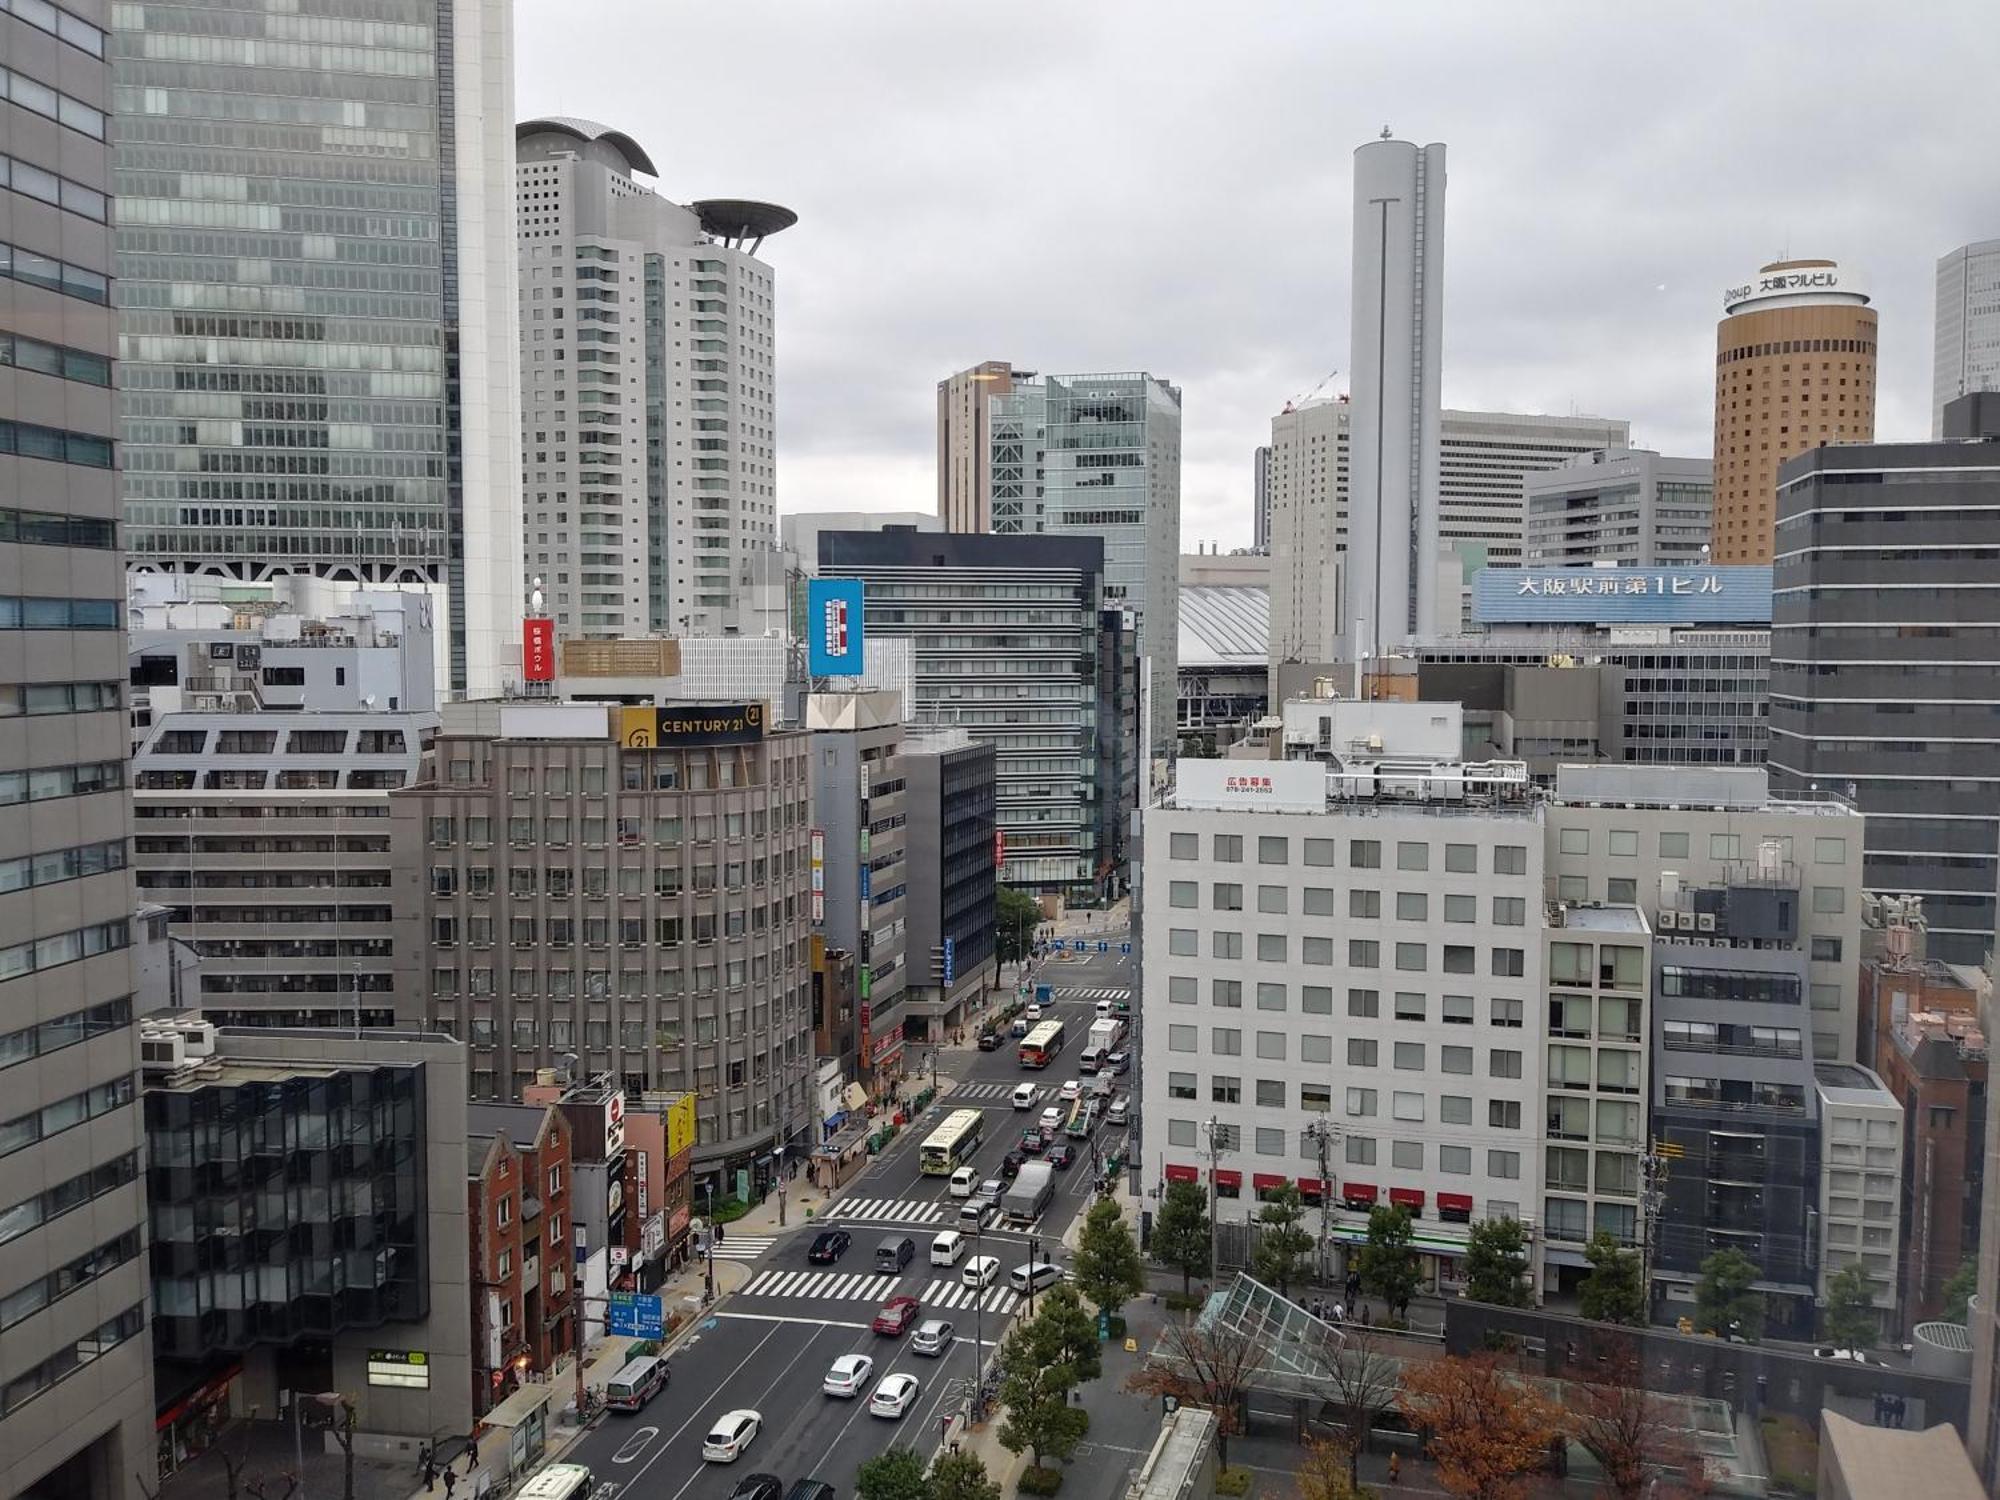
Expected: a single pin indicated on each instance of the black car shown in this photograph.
(1060, 1156)
(989, 1041)
(1011, 1164)
(758, 1487)
(828, 1246)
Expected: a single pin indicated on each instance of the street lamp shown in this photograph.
(324, 1398)
(976, 1406)
(1034, 1259)
(708, 1197)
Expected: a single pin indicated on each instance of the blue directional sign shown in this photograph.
(1103, 947)
(950, 961)
(635, 1315)
(1125, 948)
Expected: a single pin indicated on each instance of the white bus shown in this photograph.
(1039, 1047)
(558, 1482)
(951, 1145)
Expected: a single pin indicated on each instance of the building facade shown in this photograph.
(626, 884)
(645, 507)
(1794, 370)
(965, 444)
(1006, 635)
(1484, 462)
(1967, 327)
(1224, 676)
(1395, 364)
(75, 1382)
(1308, 472)
(1623, 507)
(517, 1187)
(1260, 499)
(1860, 1180)
(313, 382)
(861, 878)
(949, 793)
(1343, 985)
(1885, 615)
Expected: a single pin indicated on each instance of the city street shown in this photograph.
(769, 1345)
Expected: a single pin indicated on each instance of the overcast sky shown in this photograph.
(1165, 186)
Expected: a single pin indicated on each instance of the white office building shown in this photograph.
(1344, 973)
(649, 392)
(1967, 331)
(1395, 363)
(1620, 507)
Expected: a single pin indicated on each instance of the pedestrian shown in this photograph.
(1353, 1286)
(430, 1474)
(1395, 1467)
(1340, 1312)
(1365, 1316)
(450, 1482)
(1315, 1307)
(471, 1452)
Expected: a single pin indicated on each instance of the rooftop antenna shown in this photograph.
(1386, 133)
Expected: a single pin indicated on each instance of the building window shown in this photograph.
(1228, 849)
(1360, 1151)
(1461, 859)
(1365, 1004)
(1829, 899)
(1503, 1114)
(1180, 1085)
(1181, 1038)
(1183, 893)
(1510, 911)
(1225, 1089)
(1503, 1062)
(1364, 854)
(1673, 846)
(1361, 1051)
(1409, 1057)
(1271, 1046)
(1271, 900)
(1184, 846)
(1510, 859)
(1409, 1006)
(1225, 1041)
(1363, 953)
(1319, 851)
(1227, 993)
(1317, 951)
(1412, 958)
(1273, 851)
(1364, 903)
(1181, 989)
(1461, 908)
(1316, 999)
(1573, 841)
(1271, 947)
(1226, 897)
(1412, 906)
(1183, 942)
(1413, 856)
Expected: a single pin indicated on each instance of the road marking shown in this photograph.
(668, 1442)
(781, 1318)
(635, 1445)
(878, 1210)
(702, 1466)
(744, 1247)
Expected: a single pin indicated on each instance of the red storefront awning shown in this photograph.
(1262, 1180)
(1358, 1192)
(1309, 1187)
(1454, 1203)
(1183, 1174)
(1406, 1197)
(1225, 1178)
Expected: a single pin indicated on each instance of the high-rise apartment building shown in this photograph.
(76, 1409)
(1083, 455)
(965, 441)
(948, 793)
(1484, 460)
(1308, 473)
(1967, 330)
(1627, 507)
(1260, 499)
(316, 306)
(1794, 370)
(1395, 365)
(1883, 684)
(647, 499)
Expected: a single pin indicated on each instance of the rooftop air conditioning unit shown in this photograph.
(162, 1051)
(198, 1037)
(1705, 921)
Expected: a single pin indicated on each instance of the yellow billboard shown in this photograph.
(680, 1126)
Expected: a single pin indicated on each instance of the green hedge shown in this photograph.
(1034, 1481)
(1184, 1302)
(730, 1209)
(1234, 1480)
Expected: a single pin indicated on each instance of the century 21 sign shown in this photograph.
(690, 725)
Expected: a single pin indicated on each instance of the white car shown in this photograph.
(1025, 1096)
(849, 1374)
(980, 1271)
(1034, 1012)
(730, 1436)
(1071, 1089)
(893, 1396)
(1052, 1119)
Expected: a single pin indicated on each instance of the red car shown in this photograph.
(897, 1314)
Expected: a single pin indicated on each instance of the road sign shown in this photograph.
(635, 1315)
(1043, 994)
(1102, 946)
(1125, 948)
(950, 961)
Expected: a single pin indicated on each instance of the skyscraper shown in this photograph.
(76, 1408)
(642, 504)
(1397, 350)
(1260, 500)
(1968, 326)
(1794, 369)
(316, 261)
(965, 478)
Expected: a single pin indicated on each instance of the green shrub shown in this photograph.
(730, 1209)
(1034, 1481)
(1185, 1302)
(1234, 1480)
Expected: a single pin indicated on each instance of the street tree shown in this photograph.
(1613, 1291)
(961, 1475)
(1207, 1367)
(1958, 1291)
(1359, 1382)
(1284, 1244)
(1037, 1374)
(1071, 1331)
(1325, 1473)
(1496, 1260)
(1486, 1430)
(893, 1474)
(1107, 1269)
(1850, 1308)
(1634, 1434)
(1181, 1232)
(1388, 1264)
(1017, 917)
(1723, 1300)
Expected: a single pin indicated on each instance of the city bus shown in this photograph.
(1041, 1045)
(951, 1145)
(558, 1482)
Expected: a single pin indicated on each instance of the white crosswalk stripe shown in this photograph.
(1062, 993)
(848, 1286)
(981, 1090)
(744, 1246)
(888, 1210)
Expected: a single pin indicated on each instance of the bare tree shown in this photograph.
(1633, 1434)
(260, 1487)
(1361, 1383)
(1210, 1368)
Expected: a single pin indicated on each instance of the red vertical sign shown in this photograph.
(999, 848)
(538, 650)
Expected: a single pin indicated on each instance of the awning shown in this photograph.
(1406, 1197)
(856, 1096)
(1183, 1174)
(1262, 1180)
(1449, 1203)
(520, 1406)
(1227, 1178)
(1309, 1187)
(1358, 1192)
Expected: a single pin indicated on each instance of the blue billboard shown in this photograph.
(833, 627)
(1622, 596)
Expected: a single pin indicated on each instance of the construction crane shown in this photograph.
(1297, 401)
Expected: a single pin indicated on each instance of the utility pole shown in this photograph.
(778, 1166)
(1212, 1131)
(1652, 1199)
(1322, 1133)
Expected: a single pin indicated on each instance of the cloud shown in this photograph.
(1165, 186)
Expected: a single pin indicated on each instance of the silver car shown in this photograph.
(933, 1337)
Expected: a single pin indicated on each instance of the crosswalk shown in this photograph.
(847, 1286)
(980, 1090)
(1061, 992)
(744, 1246)
(892, 1210)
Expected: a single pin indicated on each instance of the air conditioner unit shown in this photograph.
(162, 1051)
(1705, 921)
(198, 1036)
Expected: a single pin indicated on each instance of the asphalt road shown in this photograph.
(768, 1347)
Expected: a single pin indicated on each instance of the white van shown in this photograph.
(1035, 1276)
(1103, 1009)
(1024, 1096)
(1120, 1111)
(948, 1249)
(637, 1383)
(963, 1181)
